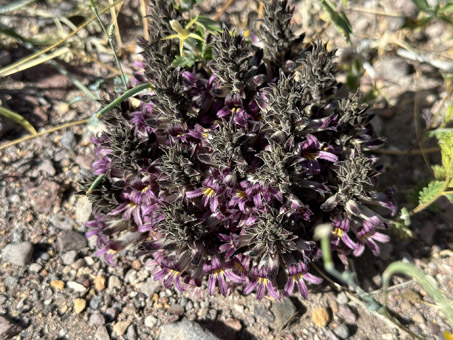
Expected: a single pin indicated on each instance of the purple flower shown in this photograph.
(219, 273)
(297, 275)
(368, 236)
(261, 283)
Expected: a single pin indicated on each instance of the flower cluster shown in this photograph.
(224, 169)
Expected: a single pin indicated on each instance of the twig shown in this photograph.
(376, 12)
(18, 119)
(115, 23)
(145, 19)
(37, 54)
(223, 9)
(413, 55)
(42, 133)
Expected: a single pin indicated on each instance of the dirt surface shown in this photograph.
(64, 291)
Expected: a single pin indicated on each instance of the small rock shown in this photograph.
(99, 282)
(35, 268)
(120, 327)
(8, 328)
(264, 313)
(233, 323)
(238, 308)
(102, 334)
(114, 282)
(47, 167)
(79, 305)
(176, 309)
(62, 222)
(5, 58)
(149, 287)
(418, 318)
(342, 298)
(57, 284)
(131, 334)
(150, 321)
(68, 140)
(282, 311)
(347, 314)
(19, 254)
(185, 330)
(83, 210)
(71, 240)
(96, 319)
(69, 257)
(342, 331)
(77, 287)
(320, 317)
(95, 302)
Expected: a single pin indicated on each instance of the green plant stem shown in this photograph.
(109, 36)
(18, 119)
(95, 184)
(124, 96)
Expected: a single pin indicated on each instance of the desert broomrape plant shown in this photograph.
(242, 146)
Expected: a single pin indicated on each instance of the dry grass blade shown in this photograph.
(42, 133)
(37, 54)
(18, 119)
(15, 5)
(223, 9)
(36, 61)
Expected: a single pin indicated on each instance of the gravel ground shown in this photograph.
(52, 285)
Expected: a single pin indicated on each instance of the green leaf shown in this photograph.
(183, 61)
(449, 197)
(439, 172)
(433, 189)
(422, 5)
(449, 114)
(339, 19)
(209, 24)
(446, 150)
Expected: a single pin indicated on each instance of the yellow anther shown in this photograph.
(338, 232)
(241, 194)
(208, 192)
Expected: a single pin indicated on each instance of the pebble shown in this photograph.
(234, 324)
(342, 298)
(418, 318)
(131, 334)
(392, 68)
(282, 311)
(95, 302)
(342, 331)
(262, 312)
(150, 321)
(47, 167)
(102, 334)
(68, 140)
(79, 305)
(77, 287)
(347, 314)
(71, 240)
(185, 330)
(57, 284)
(96, 319)
(83, 210)
(176, 309)
(120, 327)
(62, 222)
(19, 254)
(149, 287)
(35, 268)
(114, 282)
(99, 282)
(320, 317)
(69, 257)
(238, 308)
(8, 328)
